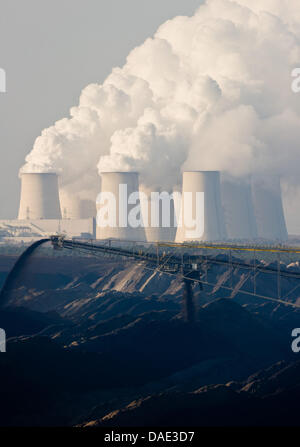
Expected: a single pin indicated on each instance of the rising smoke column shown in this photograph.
(212, 91)
(72, 146)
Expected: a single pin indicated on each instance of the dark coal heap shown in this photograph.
(105, 343)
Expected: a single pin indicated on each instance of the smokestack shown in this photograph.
(238, 209)
(39, 197)
(120, 185)
(268, 208)
(207, 182)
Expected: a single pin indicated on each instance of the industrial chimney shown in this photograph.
(119, 186)
(238, 208)
(268, 208)
(207, 182)
(39, 197)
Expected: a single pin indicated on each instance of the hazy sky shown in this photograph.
(50, 50)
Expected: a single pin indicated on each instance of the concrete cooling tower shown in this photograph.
(70, 206)
(39, 197)
(268, 208)
(117, 187)
(238, 209)
(158, 217)
(207, 182)
(87, 209)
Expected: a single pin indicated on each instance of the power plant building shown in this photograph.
(234, 209)
(72, 207)
(119, 198)
(207, 182)
(40, 212)
(159, 216)
(238, 209)
(268, 208)
(39, 197)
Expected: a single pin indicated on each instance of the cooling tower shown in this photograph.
(238, 209)
(207, 182)
(39, 197)
(70, 205)
(158, 216)
(268, 208)
(116, 189)
(87, 209)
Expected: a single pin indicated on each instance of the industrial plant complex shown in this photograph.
(248, 209)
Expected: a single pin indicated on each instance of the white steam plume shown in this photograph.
(212, 91)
